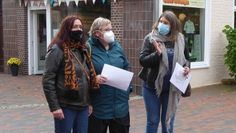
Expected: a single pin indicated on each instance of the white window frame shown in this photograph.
(207, 38)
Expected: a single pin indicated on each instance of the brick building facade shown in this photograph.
(1, 41)
(131, 21)
(14, 21)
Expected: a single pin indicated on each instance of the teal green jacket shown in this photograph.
(108, 102)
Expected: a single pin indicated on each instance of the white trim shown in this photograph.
(208, 24)
(199, 65)
(29, 42)
(31, 61)
(35, 52)
(160, 8)
(155, 10)
(48, 24)
(207, 39)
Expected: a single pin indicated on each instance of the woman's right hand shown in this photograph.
(101, 79)
(58, 114)
(157, 46)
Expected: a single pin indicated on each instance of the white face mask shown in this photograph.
(109, 36)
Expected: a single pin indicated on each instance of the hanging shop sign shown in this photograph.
(185, 3)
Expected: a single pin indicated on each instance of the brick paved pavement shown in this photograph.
(23, 109)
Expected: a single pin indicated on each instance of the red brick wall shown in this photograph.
(22, 37)
(1, 41)
(15, 33)
(117, 16)
(132, 20)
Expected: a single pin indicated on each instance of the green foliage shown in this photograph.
(230, 55)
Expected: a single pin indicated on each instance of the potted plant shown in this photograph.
(230, 55)
(14, 63)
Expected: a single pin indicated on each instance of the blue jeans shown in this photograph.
(74, 121)
(156, 108)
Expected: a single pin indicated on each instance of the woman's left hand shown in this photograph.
(186, 70)
(90, 110)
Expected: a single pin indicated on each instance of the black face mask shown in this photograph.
(76, 36)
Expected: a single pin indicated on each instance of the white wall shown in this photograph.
(222, 13)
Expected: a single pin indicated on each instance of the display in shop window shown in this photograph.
(192, 21)
(189, 31)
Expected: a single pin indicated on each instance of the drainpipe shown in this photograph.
(157, 9)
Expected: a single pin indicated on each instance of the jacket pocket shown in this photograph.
(143, 73)
(71, 94)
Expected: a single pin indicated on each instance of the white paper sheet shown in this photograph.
(178, 79)
(117, 77)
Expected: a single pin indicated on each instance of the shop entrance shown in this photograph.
(39, 40)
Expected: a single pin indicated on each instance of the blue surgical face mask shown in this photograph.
(163, 29)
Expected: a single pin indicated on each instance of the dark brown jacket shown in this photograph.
(56, 93)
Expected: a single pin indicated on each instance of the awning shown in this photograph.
(52, 2)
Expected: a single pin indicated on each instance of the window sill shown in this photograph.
(199, 65)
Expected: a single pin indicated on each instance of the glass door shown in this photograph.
(39, 40)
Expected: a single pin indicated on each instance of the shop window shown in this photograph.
(192, 18)
(87, 12)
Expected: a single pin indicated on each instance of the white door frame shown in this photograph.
(32, 57)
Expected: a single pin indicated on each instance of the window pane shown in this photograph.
(192, 21)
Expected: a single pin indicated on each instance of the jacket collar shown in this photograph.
(95, 42)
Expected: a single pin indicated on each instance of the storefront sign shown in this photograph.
(185, 3)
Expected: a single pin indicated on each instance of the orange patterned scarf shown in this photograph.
(70, 74)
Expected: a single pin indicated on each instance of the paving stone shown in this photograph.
(23, 109)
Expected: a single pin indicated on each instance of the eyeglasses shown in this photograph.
(107, 29)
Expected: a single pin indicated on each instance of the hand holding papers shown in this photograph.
(117, 77)
(178, 79)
